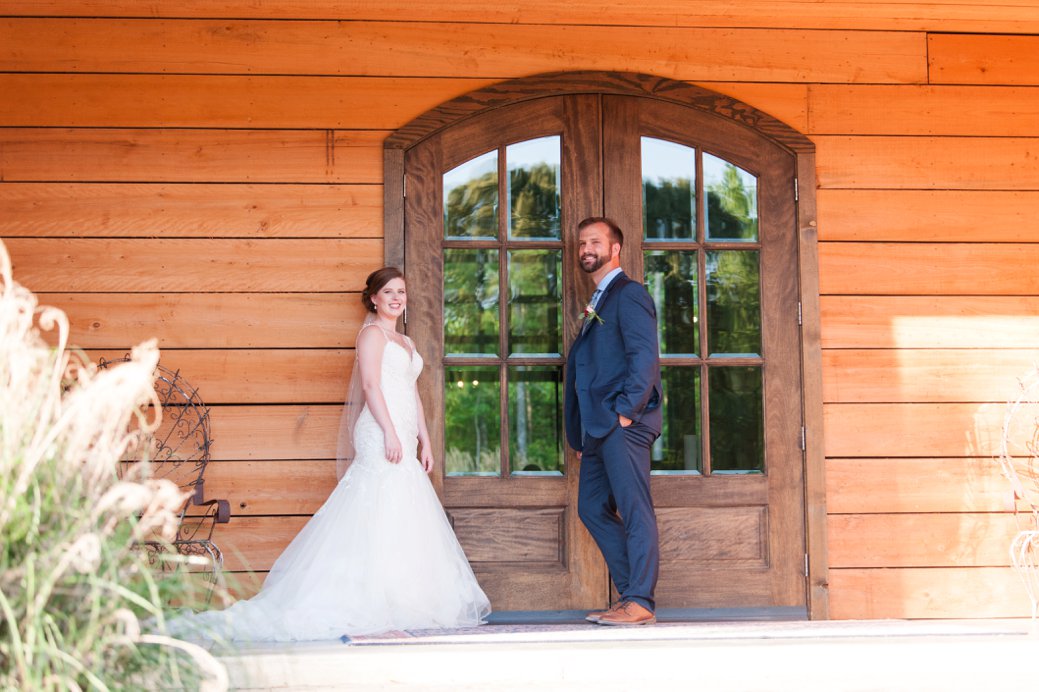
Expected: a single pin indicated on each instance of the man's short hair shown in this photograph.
(616, 235)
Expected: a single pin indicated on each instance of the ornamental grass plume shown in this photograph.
(74, 587)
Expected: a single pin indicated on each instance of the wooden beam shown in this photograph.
(197, 155)
(192, 265)
(1007, 16)
(260, 376)
(210, 320)
(913, 430)
(997, 111)
(976, 58)
(928, 163)
(933, 216)
(905, 322)
(215, 101)
(928, 592)
(405, 49)
(862, 486)
(190, 210)
(271, 487)
(275, 432)
(924, 540)
(928, 268)
(917, 375)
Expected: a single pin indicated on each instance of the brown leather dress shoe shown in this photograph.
(628, 613)
(597, 615)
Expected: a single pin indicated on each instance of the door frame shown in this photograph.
(718, 105)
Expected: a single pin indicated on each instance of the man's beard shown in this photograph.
(599, 261)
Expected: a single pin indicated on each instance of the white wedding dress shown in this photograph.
(379, 555)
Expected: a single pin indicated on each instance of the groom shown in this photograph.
(613, 416)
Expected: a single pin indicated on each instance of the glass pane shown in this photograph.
(536, 419)
(668, 190)
(535, 302)
(737, 420)
(470, 302)
(677, 450)
(671, 281)
(472, 421)
(732, 201)
(733, 303)
(471, 198)
(534, 188)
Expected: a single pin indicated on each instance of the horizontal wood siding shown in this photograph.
(929, 316)
(1013, 16)
(209, 173)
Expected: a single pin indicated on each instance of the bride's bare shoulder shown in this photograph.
(370, 338)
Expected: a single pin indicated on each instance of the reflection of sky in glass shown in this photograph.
(474, 210)
(533, 188)
(714, 174)
(667, 161)
(470, 170)
(532, 152)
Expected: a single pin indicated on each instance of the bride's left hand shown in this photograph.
(425, 458)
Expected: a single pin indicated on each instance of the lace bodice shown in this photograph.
(400, 370)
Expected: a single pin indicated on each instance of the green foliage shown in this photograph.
(668, 209)
(534, 201)
(473, 318)
(471, 210)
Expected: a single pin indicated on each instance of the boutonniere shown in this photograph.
(590, 313)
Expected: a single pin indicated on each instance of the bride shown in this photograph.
(380, 554)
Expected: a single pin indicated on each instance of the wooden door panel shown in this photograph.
(521, 533)
(727, 540)
(733, 539)
(702, 588)
(530, 537)
(714, 536)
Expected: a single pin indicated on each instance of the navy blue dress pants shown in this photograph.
(614, 503)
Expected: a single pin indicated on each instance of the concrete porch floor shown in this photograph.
(881, 655)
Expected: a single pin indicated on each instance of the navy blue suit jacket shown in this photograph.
(614, 366)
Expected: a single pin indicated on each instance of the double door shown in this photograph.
(708, 210)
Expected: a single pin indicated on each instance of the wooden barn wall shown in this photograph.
(208, 172)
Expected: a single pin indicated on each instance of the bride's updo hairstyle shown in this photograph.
(376, 280)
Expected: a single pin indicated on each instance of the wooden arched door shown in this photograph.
(708, 206)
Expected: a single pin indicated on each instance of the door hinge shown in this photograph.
(804, 442)
(796, 195)
(404, 185)
(799, 323)
(806, 564)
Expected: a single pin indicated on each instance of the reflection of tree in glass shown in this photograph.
(733, 302)
(534, 194)
(470, 301)
(668, 208)
(737, 420)
(535, 300)
(471, 210)
(535, 416)
(472, 420)
(681, 407)
(535, 326)
(671, 281)
(731, 207)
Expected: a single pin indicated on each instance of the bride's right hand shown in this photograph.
(394, 451)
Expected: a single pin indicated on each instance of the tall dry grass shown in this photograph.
(74, 591)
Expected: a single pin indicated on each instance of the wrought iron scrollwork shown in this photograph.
(179, 450)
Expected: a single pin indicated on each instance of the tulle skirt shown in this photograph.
(379, 555)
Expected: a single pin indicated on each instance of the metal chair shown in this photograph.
(179, 451)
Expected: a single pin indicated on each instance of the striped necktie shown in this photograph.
(593, 303)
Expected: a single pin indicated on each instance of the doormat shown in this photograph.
(547, 633)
